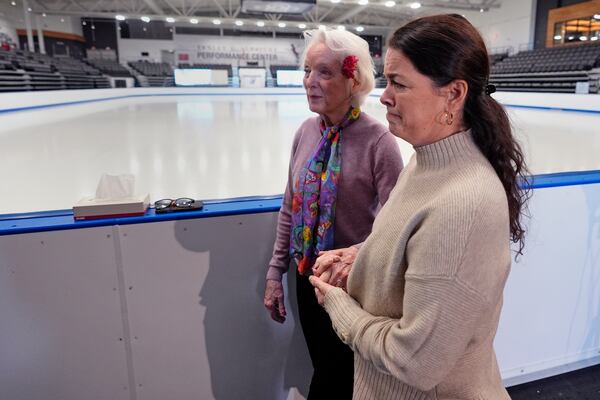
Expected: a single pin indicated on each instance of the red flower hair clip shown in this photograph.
(349, 66)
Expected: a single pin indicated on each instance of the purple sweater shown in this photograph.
(371, 163)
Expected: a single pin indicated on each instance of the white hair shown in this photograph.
(343, 44)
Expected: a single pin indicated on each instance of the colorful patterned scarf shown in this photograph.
(314, 194)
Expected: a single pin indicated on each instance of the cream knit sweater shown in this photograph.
(425, 291)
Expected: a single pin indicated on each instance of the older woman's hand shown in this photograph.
(338, 262)
(274, 300)
(321, 288)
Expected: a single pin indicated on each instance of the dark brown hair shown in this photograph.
(446, 48)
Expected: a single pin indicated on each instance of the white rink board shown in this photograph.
(193, 317)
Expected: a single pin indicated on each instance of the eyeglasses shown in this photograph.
(180, 203)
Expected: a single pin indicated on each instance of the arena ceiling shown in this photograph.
(370, 14)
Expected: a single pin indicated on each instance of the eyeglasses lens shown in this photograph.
(184, 202)
(162, 204)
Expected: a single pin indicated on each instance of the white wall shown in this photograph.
(215, 50)
(510, 25)
(12, 18)
(239, 50)
(56, 23)
(131, 49)
(7, 30)
(59, 23)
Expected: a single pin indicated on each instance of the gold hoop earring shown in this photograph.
(448, 117)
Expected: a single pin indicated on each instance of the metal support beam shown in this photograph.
(221, 9)
(30, 45)
(155, 8)
(172, 7)
(194, 7)
(40, 33)
(97, 5)
(322, 17)
(349, 14)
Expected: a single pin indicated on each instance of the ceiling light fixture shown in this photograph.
(120, 17)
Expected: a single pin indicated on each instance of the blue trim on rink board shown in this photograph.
(552, 108)
(70, 103)
(61, 220)
(13, 224)
(564, 179)
(545, 108)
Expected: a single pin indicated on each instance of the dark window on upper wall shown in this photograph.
(137, 29)
(124, 30)
(99, 33)
(188, 30)
(375, 44)
(289, 35)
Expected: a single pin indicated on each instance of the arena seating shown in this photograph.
(543, 70)
(110, 67)
(497, 57)
(380, 81)
(147, 68)
(22, 70)
(548, 70)
(153, 74)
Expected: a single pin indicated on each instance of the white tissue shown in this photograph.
(115, 187)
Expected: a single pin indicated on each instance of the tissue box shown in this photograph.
(91, 208)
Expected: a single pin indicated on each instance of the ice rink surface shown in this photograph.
(211, 147)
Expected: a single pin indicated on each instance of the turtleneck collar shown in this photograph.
(458, 146)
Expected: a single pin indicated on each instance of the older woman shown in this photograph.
(425, 291)
(343, 165)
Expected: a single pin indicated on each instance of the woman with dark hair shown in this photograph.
(425, 292)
